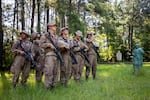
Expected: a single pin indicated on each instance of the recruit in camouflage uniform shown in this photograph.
(51, 61)
(38, 56)
(65, 71)
(92, 56)
(21, 64)
(77, 46)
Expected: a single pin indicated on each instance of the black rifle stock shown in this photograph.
(95, 49)
(28, 56)
(85, 55)
(74, 60)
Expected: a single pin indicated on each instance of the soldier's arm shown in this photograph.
(83, 45)
(14, 48)
(43, 43)
(63, 45)
(88, 40)
(33, 49)
(73, 46)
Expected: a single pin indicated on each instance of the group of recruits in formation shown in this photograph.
(47, 62)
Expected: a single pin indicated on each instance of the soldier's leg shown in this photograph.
(94, 66)
(62, 74)
(39, 73)
(16, 69)
(76, 71)
(55, 71)
(63, 71)
(69, 69)
(87, 72)
(48, 71)
(25, 72)
(81, 66)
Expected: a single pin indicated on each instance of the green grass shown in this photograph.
(114, 82)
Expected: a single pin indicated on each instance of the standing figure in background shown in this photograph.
(137, 58)
(78, 47)
(53, 58)
(92, 56)
(21, 63)
(51, 62)
(65, 71)
(38, 56)
(119, 56)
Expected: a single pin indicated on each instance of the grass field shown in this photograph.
(114, 82)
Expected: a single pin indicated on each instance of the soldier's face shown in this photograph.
(23, 36)
(53, 28)
(89, 36)
(78, 37)
(65, 33)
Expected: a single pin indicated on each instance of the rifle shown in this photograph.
(95, 49)
(28, 56)
(74, 60)
(56, 49)
(85, 55)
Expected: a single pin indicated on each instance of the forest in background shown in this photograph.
(117, 25)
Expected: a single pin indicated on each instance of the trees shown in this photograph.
(22, 14)
(32, 18)
(1, 36)
(124, 23)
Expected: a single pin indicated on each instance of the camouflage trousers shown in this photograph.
(39, 68)
(19, 65)
(77, 69)
(51, 71)
(92, 65)
(65, 71)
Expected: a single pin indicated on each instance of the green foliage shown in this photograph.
(113, 82)
(75, 24)
(106, 51)
(8, 55)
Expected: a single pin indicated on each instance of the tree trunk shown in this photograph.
(130, 36)
(14, 19)
(22, 14)
(38, 7)
(70, 10)
(32, 18)
(1, 37)
(79, 2)
(63, 20)
(47, 14)
(17, 14)
(70, 6)
(62, 15)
